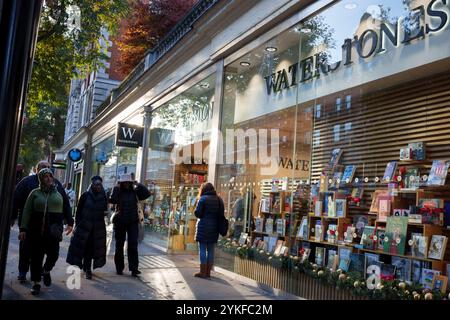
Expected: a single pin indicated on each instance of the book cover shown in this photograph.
(395, 238)
(384, 208)
(375, 195)
(328, 202)
(303, 229)
(349, 172)
(419, 246)
(360, 222)
(265, 205)
(371, 259)
(402, 268)
(259, 223)
(367, 240)
(331, 262)
(437, 247)
(438, 173)
(318, 231)
(320, 256)
(348, 235)
(278, 247)
(337, 177)
(427, 277)
(331, 233)
(272, 243)
(417, 150)
(380, 233)
(417, 268)
(431, 203)
(387, 272)
(281, 227)
(341, 208)
(412, 178)
(335, 157)
(374, 267)
(390, 171)
(344, 259)
(269, 226)
(305, 254)
(318, 208)
(356, 263)
(275, 204)
(243, 238)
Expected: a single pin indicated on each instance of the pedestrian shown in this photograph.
(42, 225)
(208, 211)
(70, 194)
(125, 197)
(88, 243)
(21, 193)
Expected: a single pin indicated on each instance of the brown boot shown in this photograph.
(202, 273)
(208, 269)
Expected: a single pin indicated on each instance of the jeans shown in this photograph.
(207, 252)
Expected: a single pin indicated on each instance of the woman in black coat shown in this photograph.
(208, 211)
(89, 240)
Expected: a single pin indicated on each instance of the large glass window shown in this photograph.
(178, 164)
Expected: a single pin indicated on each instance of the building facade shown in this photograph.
(301, 113)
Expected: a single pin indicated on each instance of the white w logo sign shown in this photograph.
(128, 132)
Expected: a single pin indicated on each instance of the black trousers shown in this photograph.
(24, 256)
(131, 232)
(88, 253)
(43, 245)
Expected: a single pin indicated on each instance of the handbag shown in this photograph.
(223, 222)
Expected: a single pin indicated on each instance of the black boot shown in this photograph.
(36, 289)
(47, 278)
(88, 274)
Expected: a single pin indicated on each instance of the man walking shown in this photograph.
(21, 193)
(71, 195)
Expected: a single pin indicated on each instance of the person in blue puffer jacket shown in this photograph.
(209, 208)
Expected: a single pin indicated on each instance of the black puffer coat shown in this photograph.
(209, 208)
(126, 201)
(89, 222)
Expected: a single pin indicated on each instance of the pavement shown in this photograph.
(164, 277)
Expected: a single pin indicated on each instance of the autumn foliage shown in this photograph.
(148, 22)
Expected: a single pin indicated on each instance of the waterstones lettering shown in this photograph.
(375, 41)
(287, 163)
(128, 135)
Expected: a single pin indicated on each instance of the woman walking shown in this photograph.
(209, 210)
(126, 221)
(42, 224)
(89, 240)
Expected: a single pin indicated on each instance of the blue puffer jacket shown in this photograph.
(208, 209)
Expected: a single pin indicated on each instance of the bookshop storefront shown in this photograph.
(336, 174)
(177, 165)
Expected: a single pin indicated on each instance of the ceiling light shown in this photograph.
(351, 6)
(271, 49)
(245, 64)
(305, 30)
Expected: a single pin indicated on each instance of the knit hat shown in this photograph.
(43, 172)
(95, 178)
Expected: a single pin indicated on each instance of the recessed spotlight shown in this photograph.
(305, 30)
(204, 85)
(245, 64)
(271, 49)
(351, 6)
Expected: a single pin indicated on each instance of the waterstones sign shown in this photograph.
(128, 135)
(369, 43)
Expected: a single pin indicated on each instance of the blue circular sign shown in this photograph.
(75, 155)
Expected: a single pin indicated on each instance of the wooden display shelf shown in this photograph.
(398, 255)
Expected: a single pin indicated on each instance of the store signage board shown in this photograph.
(129, 135)
(162, 139)
(75, 155)
(368, 55)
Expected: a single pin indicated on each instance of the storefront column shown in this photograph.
(215, 145)
(145, 143)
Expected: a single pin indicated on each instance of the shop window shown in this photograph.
(338, 104)
(318, 110)
(348, 127)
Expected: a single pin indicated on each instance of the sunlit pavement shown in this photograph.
(165, 277)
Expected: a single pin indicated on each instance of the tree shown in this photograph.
(64, 50)
(147, 24)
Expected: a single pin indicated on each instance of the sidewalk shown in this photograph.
(164, 277)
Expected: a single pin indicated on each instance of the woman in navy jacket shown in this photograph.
(209, 208)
